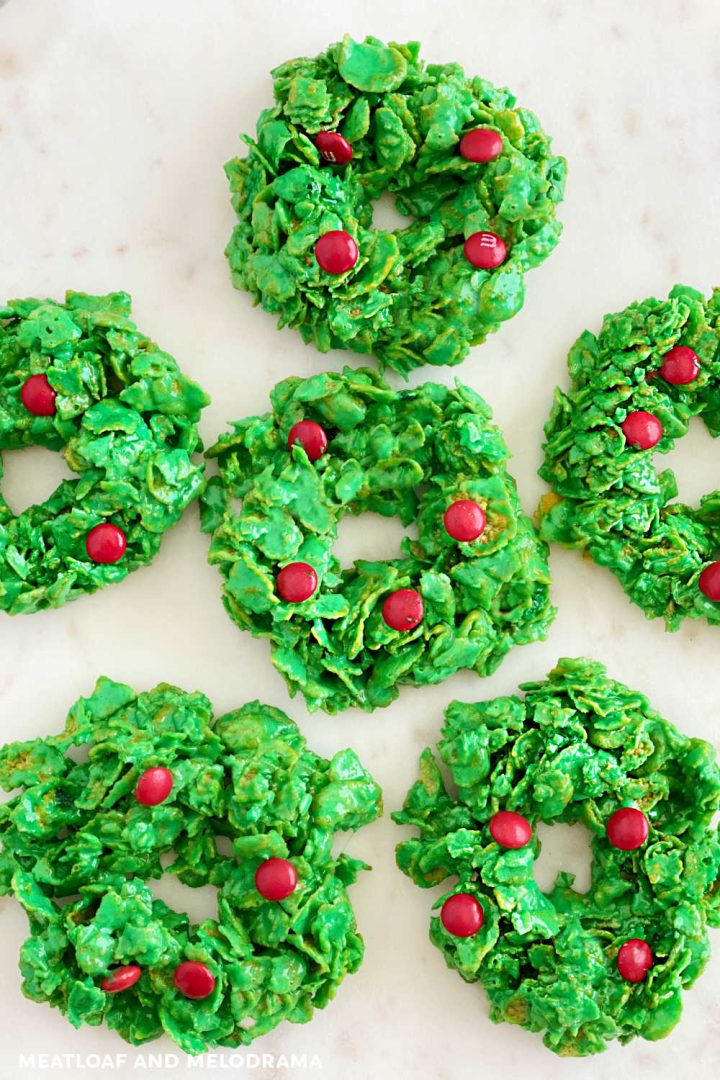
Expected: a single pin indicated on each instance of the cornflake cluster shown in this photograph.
(80, 839)
(475, 175)
(579, 748)
(634, 390)
(473, 584)
(81, 379)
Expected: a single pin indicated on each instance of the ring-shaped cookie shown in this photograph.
(238, 802)
(634, 389)
(81, 379)
(582, 968)
(474, 583)
(475, 174)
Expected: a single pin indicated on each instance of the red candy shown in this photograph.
(334, 147)
(403, 610)
(642, 429)
(275, 879)
(482, 144)
(38, 396)
(709, 581)
(627, 828)
(464, 520)
(485, 250)
(154, 786)
(461, 915)
(634, 960)
(297, 582)
(194, 979)
(680, 366)
(310, 436)
(336, 252)
(105, 543)
(509, 829)
(121, 979)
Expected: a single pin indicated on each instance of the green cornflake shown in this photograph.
(77, 850)
(408, 455)
(576, 748)
(607, 497)
(412, 298)
(126, 423)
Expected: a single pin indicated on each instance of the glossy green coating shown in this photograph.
(405, 454)
(412, 298)
(77, 850)
(607, 498)
(574, 749)
(126, 423)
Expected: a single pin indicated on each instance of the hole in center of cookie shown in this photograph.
(198, 903)
(563, 848)
(694, 462)
(371, 537)
(31, 476)
(386, 215)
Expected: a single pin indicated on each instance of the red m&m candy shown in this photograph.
(634, 960)
(461, 915)
(310, 436)
(334, 147)
(464, 520)
(38, 396)
(482, 144)
(336, 252)
(680, 366)
(154, 786)
(403, 610)
(121, 979)
(297, 582)
(642, 429)
(627, 828)
(510, 830)
(105, 543)
(485, 250)
(709, 581)
(275, 879)
(194, 979)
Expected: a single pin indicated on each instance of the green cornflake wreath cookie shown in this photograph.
(635, 388)
(582, 968)
(473, 584)
(476, 175)
(80, 378)
(78, 843)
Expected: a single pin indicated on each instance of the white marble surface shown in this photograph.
(115, 120)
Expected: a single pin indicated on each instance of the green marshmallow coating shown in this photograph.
(574, 749)
(607, 497)
(126, 422)
(77, 850)
(412, 298)
(406, 454)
